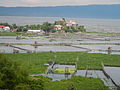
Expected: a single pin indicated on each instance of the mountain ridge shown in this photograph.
(84, 11)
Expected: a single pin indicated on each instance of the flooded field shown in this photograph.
(114, 73)
(91, 44)
(115, 49)
(50, 48)
(8, 49)
(91, 74)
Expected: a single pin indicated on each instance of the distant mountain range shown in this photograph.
(87, 11)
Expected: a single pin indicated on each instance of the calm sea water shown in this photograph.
(97, 25)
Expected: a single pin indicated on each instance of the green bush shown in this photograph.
(11, 74)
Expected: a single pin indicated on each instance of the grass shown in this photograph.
(18, 33)
(105, 33)
(8, 34)
(62, 70)
(77, 83)
(35, 61)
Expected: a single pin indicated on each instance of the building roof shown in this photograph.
(2, 26)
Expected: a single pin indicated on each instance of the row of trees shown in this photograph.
(47, 27)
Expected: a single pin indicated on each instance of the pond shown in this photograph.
(91, 74)
(55, 77)
(114, 73)
(8, 49)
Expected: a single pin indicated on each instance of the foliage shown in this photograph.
(36, 84)
(35, 61)
(59, 23)
(76, 83)
(45, 79)
(46, 27)
(81, 29)
(4, 24)
(60, 70)
(11, 74)
(8, 33)
(15, 77)
(21, 29)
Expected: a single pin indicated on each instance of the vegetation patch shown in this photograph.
(62, 70)
(8, 33)
(76, 83)
(35, 61)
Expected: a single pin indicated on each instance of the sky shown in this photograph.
(32, 3)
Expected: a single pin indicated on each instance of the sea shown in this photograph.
(91, 24)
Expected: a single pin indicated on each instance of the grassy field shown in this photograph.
(62, 70)
(8, 33)
(18, 33)
(105, 33)
(35, 61)
(76, 83)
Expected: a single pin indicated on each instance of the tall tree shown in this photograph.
(46, 27)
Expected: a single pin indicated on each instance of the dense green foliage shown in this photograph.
(35, 61)
(47, 27)
(11, 74)
(15, 77)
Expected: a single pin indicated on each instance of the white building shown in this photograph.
(70, 23)
(36, 31)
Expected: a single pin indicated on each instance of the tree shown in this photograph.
(81, 29)
(5, 24)
(14, 77)
(46, 27)
(63, 23)
(11, 74)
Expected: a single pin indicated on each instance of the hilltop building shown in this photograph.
(58, 27)
(71, 23)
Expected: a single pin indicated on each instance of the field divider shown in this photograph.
(108, 76)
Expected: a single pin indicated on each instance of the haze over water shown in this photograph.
(94, 25)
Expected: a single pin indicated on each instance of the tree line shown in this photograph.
(47, 27)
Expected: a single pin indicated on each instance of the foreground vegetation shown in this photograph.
(76, 83)
(35, 61)
(14, 76)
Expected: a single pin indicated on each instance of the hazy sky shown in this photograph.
(14, 3)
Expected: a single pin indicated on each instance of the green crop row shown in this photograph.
(35, 61)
